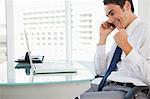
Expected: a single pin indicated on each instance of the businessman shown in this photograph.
(128, 63)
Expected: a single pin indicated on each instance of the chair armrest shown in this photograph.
(134, 90)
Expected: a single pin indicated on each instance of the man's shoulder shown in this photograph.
(143, 26)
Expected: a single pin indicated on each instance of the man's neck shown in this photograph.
(131, 19)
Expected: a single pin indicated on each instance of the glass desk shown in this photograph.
(47, 86)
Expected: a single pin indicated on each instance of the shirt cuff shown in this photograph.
(100, 49)
(134, 57)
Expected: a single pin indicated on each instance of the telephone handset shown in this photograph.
(35, 59)
(112, 25)
(27, 57)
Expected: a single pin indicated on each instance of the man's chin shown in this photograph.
(120, 27)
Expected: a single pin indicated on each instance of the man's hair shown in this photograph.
(121, 3)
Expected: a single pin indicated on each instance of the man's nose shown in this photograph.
(110, 20)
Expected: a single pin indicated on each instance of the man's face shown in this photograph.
(116, 15)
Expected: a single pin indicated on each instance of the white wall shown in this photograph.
(143, 10)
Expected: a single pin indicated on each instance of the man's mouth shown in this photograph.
(116, 22)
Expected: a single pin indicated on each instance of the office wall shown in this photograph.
(143, 10)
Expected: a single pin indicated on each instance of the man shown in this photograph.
(133, 37)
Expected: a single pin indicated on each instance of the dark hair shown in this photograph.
(121, 3)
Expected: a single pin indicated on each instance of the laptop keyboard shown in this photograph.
(53, 66)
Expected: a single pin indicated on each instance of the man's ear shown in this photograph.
(127, 6)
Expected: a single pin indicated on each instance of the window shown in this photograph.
(2, 32)
(85, 17)
(3, 55)
(44, 22)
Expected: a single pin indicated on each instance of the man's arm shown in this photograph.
(139, 60)
(121, 39)
(101, 58)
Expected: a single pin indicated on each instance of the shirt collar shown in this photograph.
(132, 25)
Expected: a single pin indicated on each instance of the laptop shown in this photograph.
(49, 67)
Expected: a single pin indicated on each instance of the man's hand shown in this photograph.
(105, 29)
(121, 39)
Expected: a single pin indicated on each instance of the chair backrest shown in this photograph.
(134, 92)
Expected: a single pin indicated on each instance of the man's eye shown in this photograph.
(111, 14)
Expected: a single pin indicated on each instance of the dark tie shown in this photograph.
(113, 65)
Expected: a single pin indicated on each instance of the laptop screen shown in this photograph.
(29, 53)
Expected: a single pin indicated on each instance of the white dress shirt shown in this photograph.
(135, 67)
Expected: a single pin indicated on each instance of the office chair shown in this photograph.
(131, 94)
